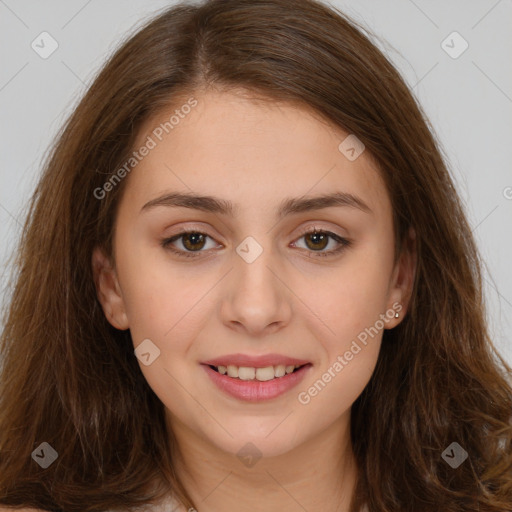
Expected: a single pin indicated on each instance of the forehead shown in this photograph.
(250, 151)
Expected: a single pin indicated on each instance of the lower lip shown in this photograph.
(255, 390)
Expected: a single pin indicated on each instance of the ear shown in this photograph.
(108, 290)
(402, 280)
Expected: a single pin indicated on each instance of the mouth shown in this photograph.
(248, 373)
(256, 384)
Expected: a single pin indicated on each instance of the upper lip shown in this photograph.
(255, 361)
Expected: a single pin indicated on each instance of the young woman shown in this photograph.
(246, 282)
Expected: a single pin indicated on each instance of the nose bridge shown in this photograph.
(253, 261)
(257, 297)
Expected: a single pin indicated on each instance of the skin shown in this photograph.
(288, 301)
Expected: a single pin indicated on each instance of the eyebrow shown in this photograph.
(289, 206)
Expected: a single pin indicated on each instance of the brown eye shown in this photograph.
(319, 240)
(193, 241)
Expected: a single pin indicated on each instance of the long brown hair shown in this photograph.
(70, 379)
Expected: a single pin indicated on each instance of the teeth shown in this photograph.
(246, 373)
(261, 374)
(232, 370)
(280, 371)
(266, 373)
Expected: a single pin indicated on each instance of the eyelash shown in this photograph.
(344, 243)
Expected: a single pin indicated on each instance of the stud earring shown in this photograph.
(397, 315)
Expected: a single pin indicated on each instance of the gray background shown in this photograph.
(468, 100)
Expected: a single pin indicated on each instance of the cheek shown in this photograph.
(348, 304)
(161, 296)
(350, 298)
(348, 327)
(165, 309)
(334, 390)
(164, 305)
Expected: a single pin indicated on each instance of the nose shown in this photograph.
(256, 300)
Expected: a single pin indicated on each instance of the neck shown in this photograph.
(319, 474)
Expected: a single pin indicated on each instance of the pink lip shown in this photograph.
(254, 390)
(255, 361)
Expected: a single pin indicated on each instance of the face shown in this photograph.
(267, 277)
